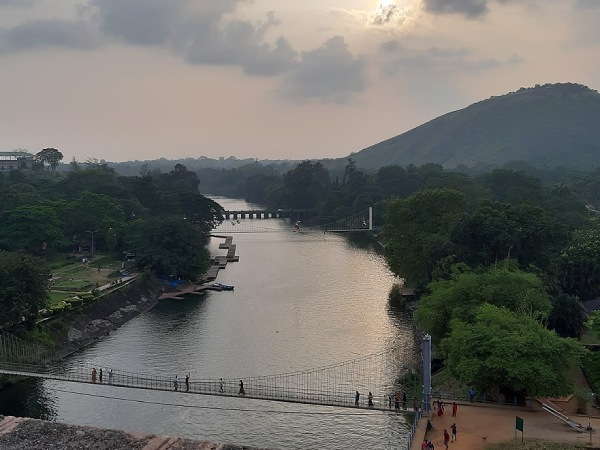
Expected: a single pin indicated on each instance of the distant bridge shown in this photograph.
(237, 222)
(296, 214)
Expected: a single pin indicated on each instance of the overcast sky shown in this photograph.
(269, 79)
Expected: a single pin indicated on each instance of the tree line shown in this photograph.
(160, 217)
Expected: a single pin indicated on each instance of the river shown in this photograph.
(301, 300)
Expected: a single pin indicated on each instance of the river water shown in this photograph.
(301, 301)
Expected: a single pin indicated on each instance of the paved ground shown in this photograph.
(479, 425)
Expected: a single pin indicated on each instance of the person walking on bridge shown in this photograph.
(370, 399)
(356, 398)
(187, 383)
(110, 376)
(175, 382)
(94, 375)
(242, 391)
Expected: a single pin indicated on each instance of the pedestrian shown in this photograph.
(356, 398)
(176, 382)
(94, 375)
(472, 394)
(242, 391)
(187, 383)
(370, 399)
(221, 385)
(454, 409)
(453, 429)
(424, 445)
(440, 408)
(390, 401)
(397, 401)
(110, 376)
(100, 375)
(446, 438)
(404, 400)
(415, 404)
(430, 446)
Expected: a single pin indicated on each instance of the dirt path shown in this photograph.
(479, 425)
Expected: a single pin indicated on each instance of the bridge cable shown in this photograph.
(216, 408)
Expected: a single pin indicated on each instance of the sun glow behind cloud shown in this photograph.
(389, 13)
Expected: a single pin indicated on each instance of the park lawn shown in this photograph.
(57, 297)
(74, 277)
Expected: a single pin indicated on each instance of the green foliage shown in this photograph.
(395, 295)
(502, 351)
(23, 287)
(50, 157)
(417, 232)
(591, 368)
(568, 316)
(579, 264)
(168, 245)
(459, 298)
(303, 186)
(31, 228)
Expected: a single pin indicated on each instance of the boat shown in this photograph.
(222, 287)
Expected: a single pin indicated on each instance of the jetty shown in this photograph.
(218, 262)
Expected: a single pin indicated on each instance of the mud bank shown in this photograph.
(82, 327)
(29, 434)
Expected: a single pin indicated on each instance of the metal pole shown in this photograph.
(426, 373)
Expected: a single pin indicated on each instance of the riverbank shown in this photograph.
(29, 434)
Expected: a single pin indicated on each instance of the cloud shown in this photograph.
(390, 14)
(17, 3)
(468, 8)
(329, 74)
(50, 33)
(443, 61)
(587, 4)
(240, 43)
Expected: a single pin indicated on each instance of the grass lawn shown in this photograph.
(70, 275)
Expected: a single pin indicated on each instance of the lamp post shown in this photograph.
(92, 232)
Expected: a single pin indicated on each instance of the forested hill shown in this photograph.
(547, 126)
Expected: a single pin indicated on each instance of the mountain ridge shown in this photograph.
(547, 126)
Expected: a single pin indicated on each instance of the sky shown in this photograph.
(121, 80)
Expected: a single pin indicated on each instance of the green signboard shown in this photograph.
(519, 424)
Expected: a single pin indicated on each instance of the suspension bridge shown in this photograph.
(335, 385)
(242, 222)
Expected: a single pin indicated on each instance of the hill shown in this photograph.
(548, 126)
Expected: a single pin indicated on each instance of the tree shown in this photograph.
(168, 245)
(459, 297)
(417, 232)
(496, 231)
(579, 264)
(568, 316)
(23, 287)
(50, 157)
(501, 351)
(31, 228)
(304, 185)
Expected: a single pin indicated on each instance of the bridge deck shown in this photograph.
(208, 387)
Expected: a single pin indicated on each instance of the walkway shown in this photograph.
(482, 424)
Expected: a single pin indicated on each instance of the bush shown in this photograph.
(591, 368)
(395, 295)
